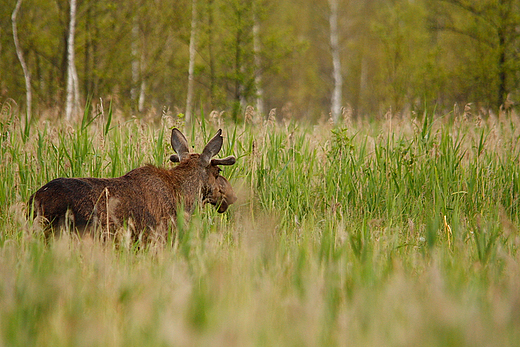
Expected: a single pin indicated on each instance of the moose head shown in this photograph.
(215, 189)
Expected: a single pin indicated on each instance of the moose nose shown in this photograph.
(231, 198)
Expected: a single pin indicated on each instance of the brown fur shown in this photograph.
(147, 198)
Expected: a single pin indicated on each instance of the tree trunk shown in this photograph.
(19, 53)
(137, 69)
(212, 77)
(72, 105)
(135, 60)
(239, 102)
(336, 63)
(88, 41)
(502, 75)
(258, 68)
(191, 67)
(140, 103)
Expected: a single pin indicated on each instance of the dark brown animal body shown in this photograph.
(147, 198)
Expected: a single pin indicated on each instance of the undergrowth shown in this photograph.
(396, 232)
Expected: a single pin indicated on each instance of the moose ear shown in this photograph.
(212, 148)
(224, 161)
(179, 144)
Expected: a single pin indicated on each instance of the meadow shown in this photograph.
(397, 232)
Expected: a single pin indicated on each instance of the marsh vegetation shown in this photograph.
(401, 231)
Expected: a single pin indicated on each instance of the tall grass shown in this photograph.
(401, 233)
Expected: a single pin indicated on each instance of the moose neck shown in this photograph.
(188, 180)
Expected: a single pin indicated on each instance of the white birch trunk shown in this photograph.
(258, 62)
(135, 60)
(137, 69)
(336, 62)
(140, 103)
(26, 74)
(191, 67)
(72, 105)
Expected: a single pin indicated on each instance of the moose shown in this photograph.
(147, 198)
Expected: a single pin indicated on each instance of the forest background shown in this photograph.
(276, 56)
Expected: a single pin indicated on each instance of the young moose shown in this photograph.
(146, 198)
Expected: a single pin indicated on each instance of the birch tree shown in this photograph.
(137, 69)
(336, 62)
(191, 67)
(257, 59)
(72, 105)
(19, 53)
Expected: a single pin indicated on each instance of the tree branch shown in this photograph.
(19, 53)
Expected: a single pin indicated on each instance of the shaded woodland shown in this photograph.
(389, 55)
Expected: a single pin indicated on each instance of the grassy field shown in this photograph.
(400, 232)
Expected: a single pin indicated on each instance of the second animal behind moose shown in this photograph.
(147, 198)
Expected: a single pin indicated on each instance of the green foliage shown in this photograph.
(487, 30)
(396, 55)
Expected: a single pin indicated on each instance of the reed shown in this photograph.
(376, 234)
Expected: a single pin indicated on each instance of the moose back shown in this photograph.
(147, 198)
